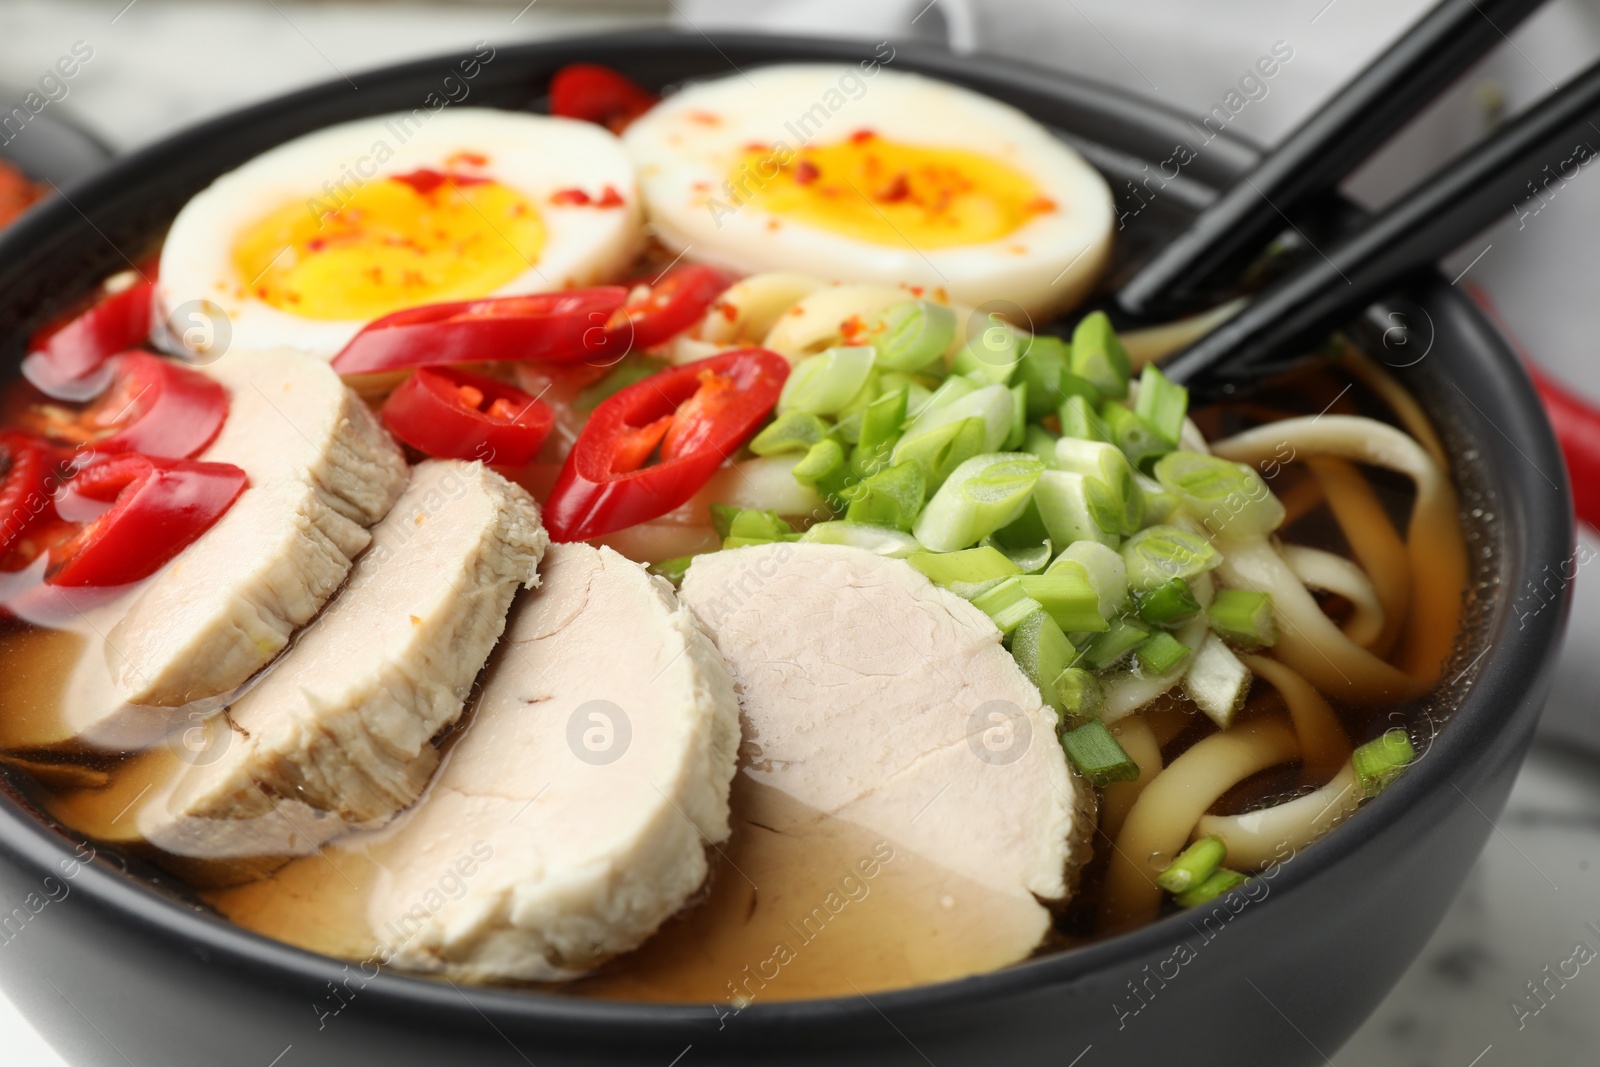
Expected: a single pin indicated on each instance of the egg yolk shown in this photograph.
(891, 193)
(395, 242)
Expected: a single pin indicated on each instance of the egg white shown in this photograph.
(688, 146)
(535, 155)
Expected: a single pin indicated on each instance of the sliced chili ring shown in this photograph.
(455, 415)
(673, 303)
(25, 464)
(592, 93)
(700, 413)
(557, 327)
(70, 349)
(158, 508)
(152, 406)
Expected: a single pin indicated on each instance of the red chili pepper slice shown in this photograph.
(598, 94)
(699, 413)
(675, 302)
(25, 464)
(153, 406)
(455, 415)
(556, 327)
(158, 508)
(72, 348)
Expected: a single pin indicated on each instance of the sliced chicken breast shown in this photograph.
(590, 779)
(900, 776)
(340, 730)
(322, 470)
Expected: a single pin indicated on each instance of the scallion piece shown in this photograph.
(1228, 499)
(1019, 418)
(1043, 652)
(1104, 567)
(1070, 598)
(1158, 554)
(911, 335)
(1080, 694)
(1098, 355)
(992, 354)
(1169, 604)
(1097, 459)
(1044, 360)
(793, 431)
(1379, 762)
(1213, 887)
(1042, 443)
(1030, 558)
(1007, 604)
(941, 450)
(1162, 403)
(877, 539)
(1095, 752)
(1161, 653)
(1108, 649)
(1244, 618)
(1194, 865)
(1160, 503)
(880, 429)
(824, 469)
(1217, 681)
(892, 497)
(1080, 417)
(1139, 441)
(970, 566)
(1077, 508)
(994, 404)
(826, 383)
(980, 496)
(673, 569)
(747, 526)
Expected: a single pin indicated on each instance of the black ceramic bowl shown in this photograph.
(116, 971)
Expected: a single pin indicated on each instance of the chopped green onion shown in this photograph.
(892, 497)
(1379, 762)
(1244, 617)
(1080, 694)
(1044, 360)
(1096, 459)
(1158, 554)
(1160, 503)
(1070, 598)
(1019, 418)
(633, 369)
(1042, 443)
(1096, 754)
(1213, 887)
(1194, 865)
(1081, 418)
(973, 590)
(824, 469)
(980, 496)
(1043, 652)
(950, 390)
(1228, 499)
(1169, 604)
(747, 526)
(994, 404)
(941, 450)
(880, 429)
(970, 566)
(1109, 648)
(1007, 604)
(1104, 567)
(1030, 558)
(673, 569)
(848, 429)
(911, 335)
(826, 383)
(1162, 403)
(1098, 355)
(1161, 653)
(1217, 681)
(993, 354)
(880, 540)
(1139, 441)
(793, 431)
(1077, 508)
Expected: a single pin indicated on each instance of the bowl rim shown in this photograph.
(1511, 659)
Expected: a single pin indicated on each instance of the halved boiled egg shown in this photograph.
(305, 243)
(889, 177)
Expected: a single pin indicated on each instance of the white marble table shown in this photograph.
(160, 64)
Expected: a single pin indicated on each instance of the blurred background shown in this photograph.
(159, 65)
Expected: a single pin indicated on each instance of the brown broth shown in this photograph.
(911, 922)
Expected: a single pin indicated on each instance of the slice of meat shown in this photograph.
(887, 730)
(592, 774)
(322, 469)
(340, 730)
